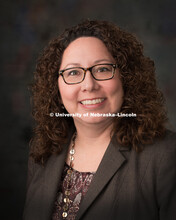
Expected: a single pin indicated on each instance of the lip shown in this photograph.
(92, 106)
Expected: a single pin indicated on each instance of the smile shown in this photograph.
(92, 102)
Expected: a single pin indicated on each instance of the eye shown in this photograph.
(103, 69)
(73, 72)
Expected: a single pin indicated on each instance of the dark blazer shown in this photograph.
(126, 186)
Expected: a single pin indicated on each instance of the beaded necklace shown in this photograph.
(69, 172)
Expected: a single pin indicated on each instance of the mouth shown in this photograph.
(92, 101)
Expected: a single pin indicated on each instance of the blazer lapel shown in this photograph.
(111, 162)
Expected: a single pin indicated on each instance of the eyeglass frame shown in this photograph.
(90, 70)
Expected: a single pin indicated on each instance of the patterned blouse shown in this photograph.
(79, 184)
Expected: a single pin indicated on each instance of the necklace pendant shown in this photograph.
(65, 207)
(67, 192)
(71, 158)
(66, 200)
(64, 214)
(69, 171)
(72, 151)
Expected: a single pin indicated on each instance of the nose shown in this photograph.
(89, 83)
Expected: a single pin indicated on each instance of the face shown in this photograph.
(90, 96)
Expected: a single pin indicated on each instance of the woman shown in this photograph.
(94, 165)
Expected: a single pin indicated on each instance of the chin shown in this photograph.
(94, 120)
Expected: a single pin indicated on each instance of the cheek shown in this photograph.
(119, 90)
(115, 89)
(67, 92)
(64, 91)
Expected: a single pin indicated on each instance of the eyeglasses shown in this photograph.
(99, 72)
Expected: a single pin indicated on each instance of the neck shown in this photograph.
(91, 135)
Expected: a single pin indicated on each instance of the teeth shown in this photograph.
(92, 102)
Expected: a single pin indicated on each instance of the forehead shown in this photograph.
(85, 51)
(81, 42)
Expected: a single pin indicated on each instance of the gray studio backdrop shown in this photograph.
(27, 26)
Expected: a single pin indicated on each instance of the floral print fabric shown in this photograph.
(79, 184)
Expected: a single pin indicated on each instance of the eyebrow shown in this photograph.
(102, 60)
(72, 64)
(78, 64)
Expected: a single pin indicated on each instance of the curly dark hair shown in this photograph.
(141, 95)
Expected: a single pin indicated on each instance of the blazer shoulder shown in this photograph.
(161, 148)
(166, 177)
(170, 135)
(166, 143)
